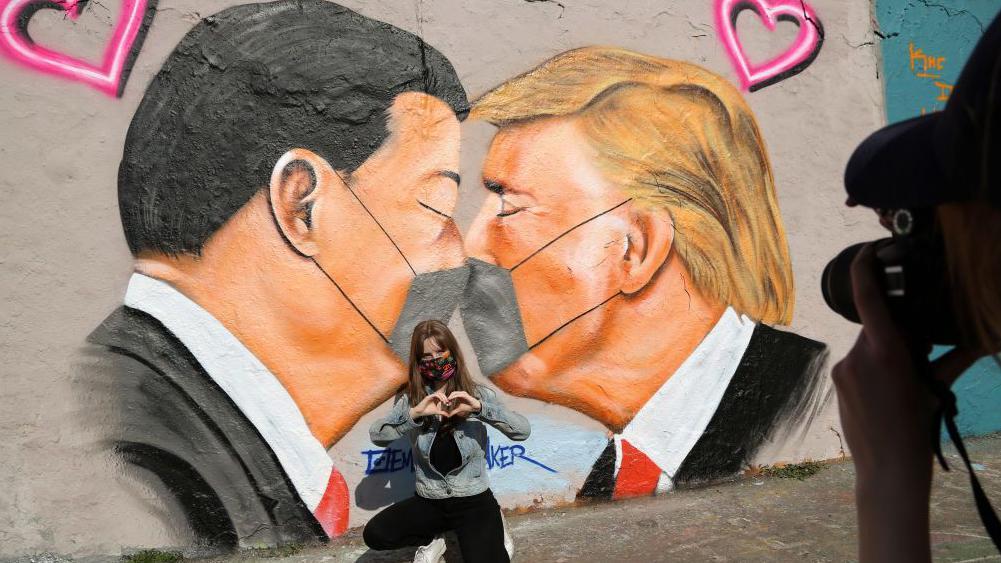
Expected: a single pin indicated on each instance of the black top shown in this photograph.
(445, 454)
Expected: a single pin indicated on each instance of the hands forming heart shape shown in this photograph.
(458, 403)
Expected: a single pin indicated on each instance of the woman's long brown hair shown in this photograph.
(972, 233)
(439, 333)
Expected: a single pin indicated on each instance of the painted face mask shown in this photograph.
(490, 311)
(431, 295)
(437, 369)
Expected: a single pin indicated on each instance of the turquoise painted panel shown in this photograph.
(978, 396)
(924, 45)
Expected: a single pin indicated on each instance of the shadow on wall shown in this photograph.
(389, 476)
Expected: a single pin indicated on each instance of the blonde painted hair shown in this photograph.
(675, 137)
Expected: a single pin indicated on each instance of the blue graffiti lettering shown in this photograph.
(499, 457)
(391, 460)
(388, 460)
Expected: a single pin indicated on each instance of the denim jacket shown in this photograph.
(470, 477)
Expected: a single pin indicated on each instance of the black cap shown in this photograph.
(945, 156)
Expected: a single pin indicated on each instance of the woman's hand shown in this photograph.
(464, 404)
(887, 417)
(886, 412)
(433, 404)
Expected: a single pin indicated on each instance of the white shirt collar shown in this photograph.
(254, 389)
(670, 423)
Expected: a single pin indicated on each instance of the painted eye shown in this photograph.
(507, 209)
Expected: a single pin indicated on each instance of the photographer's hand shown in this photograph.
(887, 417)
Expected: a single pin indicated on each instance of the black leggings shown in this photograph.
(417, 520)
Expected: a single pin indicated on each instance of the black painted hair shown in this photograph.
(245, 86)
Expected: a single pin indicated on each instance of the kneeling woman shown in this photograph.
(444, 413)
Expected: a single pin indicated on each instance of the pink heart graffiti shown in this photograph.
(799, 56)
(16, 44)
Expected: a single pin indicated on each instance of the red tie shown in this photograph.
(332, 512)
(637, 476)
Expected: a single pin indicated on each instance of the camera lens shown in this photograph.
(912, 274)
(836, 283)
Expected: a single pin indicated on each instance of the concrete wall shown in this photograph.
(924, 47)
(231, 390)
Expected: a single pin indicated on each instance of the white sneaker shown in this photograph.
(432, 552)
(508, 542)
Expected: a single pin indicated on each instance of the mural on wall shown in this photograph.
(924, 47)
(640, 273)
(287, 180)
(799, 55)
(287, 188)
(123, 46)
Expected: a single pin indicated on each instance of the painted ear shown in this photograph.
(297, 178)
(650, 239)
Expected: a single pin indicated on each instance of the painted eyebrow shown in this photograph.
(451, 175)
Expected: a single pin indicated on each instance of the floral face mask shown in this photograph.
(437, 369)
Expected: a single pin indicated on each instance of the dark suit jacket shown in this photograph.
(776, 382)
(174, 421)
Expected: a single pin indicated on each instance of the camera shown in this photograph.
(912, 273)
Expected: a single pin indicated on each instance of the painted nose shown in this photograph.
(477, 240)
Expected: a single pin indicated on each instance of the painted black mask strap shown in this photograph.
(562, 326)
(567, 232)
(370, 323)
(413, 272)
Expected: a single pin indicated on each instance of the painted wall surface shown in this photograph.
(924, 46)
(218, 235)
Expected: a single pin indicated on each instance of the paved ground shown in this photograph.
(753, 519)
